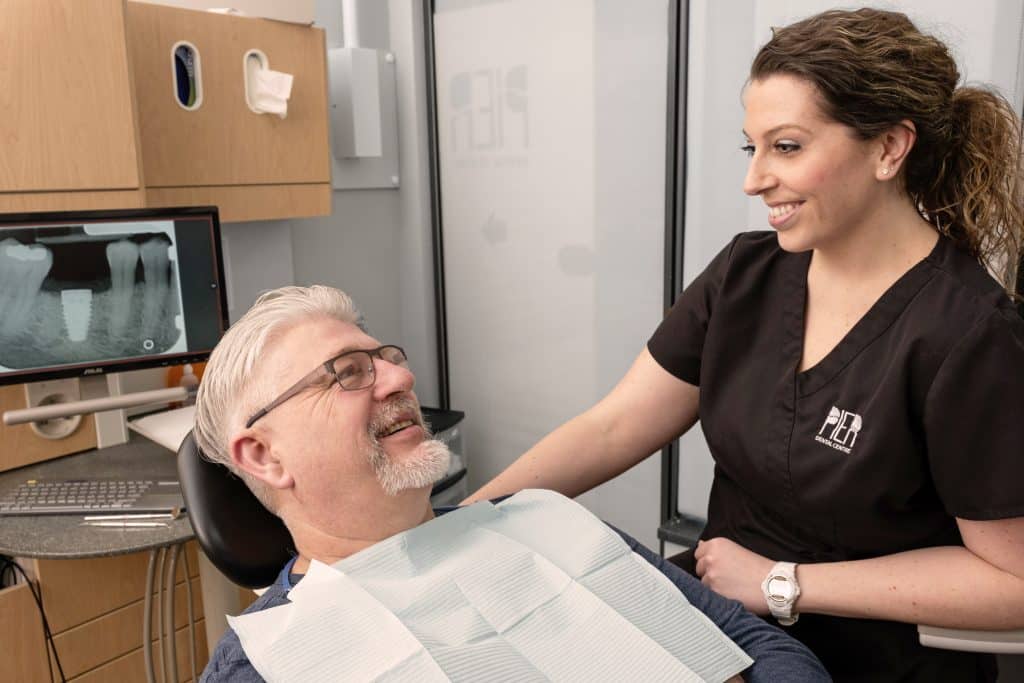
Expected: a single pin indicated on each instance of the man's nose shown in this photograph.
(758, 179)
(391, 379)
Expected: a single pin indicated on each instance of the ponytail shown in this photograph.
(976, 194)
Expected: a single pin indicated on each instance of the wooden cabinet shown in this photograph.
(95, 611)
(254, 165)
(89, 119)
(223, 142)
(67, 116)
(21, 636)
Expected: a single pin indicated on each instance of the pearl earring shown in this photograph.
(885, 171)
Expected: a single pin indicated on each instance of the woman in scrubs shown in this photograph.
(858, 373)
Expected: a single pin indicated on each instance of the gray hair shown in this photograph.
(229, 391)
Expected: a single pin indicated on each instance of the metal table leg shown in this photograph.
(147, 619)
(171, 655)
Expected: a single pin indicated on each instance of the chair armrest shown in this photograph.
(998, 642)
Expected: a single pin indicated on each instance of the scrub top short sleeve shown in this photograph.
(974, 421)
(678, 343)
(912, 419)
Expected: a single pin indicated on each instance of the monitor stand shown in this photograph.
(111, 425)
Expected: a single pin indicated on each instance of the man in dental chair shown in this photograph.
(321, 422)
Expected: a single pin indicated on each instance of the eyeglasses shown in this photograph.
(352, 370)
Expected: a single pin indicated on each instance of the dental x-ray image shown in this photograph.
(74, 294)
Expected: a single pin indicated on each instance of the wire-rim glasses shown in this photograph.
(352, 370)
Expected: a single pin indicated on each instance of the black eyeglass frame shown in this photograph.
(327, 368)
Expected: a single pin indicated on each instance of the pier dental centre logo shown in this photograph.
(842, 428)
(490, 111)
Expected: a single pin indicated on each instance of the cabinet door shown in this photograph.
(223, 142)
(66, 114)
(21, 636)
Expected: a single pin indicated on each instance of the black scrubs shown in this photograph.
(914, 418)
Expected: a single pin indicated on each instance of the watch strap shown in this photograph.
(781, 591)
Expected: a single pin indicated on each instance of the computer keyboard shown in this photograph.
(90, 496)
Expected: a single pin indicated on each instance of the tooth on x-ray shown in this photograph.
(123, 256)
(77, 307)
(22, 271)
(156, 264)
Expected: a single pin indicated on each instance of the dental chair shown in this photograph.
(242, 539)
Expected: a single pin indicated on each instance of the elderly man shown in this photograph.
(321, 422)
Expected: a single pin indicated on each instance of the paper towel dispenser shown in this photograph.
(187, 75)
(266, 91)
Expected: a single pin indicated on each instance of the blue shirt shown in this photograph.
(777, 657)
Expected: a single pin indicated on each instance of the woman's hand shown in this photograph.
(731, 570)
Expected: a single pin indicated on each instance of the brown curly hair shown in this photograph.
(874, 69)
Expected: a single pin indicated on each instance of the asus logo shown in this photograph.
(93, 371)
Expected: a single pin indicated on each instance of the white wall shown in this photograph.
(552, 125)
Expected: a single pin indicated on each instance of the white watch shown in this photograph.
(781, 591)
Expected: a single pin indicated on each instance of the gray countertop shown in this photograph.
(63, 536)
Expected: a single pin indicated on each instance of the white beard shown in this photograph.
(421, 469)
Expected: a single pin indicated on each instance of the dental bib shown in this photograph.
(534, 588)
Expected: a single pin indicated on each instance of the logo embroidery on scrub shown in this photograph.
(840, 429)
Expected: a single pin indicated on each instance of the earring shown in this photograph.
(885, 171)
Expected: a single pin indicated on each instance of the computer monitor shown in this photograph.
(91, 292)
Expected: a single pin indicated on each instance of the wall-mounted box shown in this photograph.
(355, 102)
(364, 118)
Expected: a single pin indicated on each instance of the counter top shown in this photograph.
(63, 536)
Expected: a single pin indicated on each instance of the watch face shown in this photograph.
(780, 589)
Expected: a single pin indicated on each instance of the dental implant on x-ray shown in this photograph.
(76, 304)
(123, 258)
(22, 271)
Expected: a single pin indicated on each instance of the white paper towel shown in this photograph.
(269, 91)
(535, 588)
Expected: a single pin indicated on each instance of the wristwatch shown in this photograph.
(781, 591)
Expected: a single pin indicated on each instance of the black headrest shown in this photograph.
(242, 538)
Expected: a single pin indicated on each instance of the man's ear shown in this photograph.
(894, 147)
(251, 453)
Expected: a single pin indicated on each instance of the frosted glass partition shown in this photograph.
(986, 39)
(551, 122)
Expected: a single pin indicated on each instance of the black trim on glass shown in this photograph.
(434, 160)
(1020, 266)
(675, 211)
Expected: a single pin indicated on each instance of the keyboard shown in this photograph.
(91, 496)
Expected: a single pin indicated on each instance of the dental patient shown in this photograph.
(321, 422)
